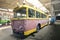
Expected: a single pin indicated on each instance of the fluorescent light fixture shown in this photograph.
(6, 9)
(3, 9)
(11, 10)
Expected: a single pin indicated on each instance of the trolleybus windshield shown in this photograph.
(21, 13)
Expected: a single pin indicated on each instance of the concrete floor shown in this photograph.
(50, 32)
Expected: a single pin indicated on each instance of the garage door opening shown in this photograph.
(57, 17)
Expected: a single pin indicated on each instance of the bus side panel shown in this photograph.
(31, 25)
(44, 22)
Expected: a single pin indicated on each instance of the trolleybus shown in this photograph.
(28, 20)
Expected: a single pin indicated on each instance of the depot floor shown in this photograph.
(50, 32)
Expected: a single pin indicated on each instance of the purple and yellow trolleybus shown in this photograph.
(28, 20)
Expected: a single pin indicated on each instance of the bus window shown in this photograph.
(43, 16)
(31, 13)
(21, 13)
(37, 15)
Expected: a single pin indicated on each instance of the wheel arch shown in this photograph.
(39, 24)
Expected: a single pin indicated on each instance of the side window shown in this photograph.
(31, 13)
(43, 16)
(37, 14)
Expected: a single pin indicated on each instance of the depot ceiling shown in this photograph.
(12, 3)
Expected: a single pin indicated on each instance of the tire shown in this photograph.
(7, 23)
(38, 28)
(20, 34)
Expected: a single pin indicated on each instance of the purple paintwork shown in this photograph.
(26, 24)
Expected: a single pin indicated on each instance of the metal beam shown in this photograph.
(54, 2)
(56, 10)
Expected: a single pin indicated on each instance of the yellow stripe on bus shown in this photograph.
(29, 31)
(43, 25)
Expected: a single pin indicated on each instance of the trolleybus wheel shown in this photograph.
(21, 35)
(38, 27)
